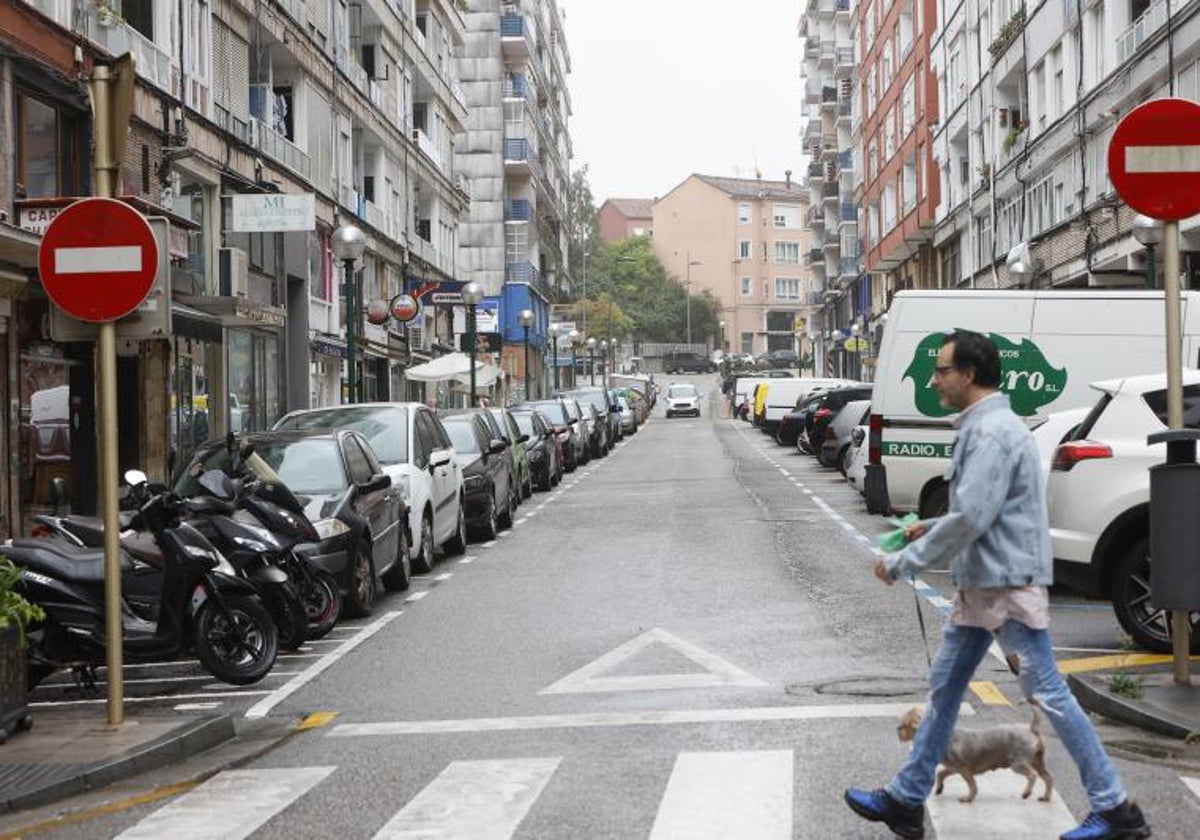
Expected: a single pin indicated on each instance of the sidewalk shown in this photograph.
(1144, 696)
(70, 751)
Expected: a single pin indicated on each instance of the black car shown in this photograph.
(780, 359)
(360, 517)
(487, 474)
(496, 431)
(828, 404)
(542, 446)
(566, 426)
(684, 361)
(610, 420)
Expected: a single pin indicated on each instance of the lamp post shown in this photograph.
(555, 333)
(688, 292)
(1149, 233)
(586, 254)
(526, 319)
(721, 338)
(348, 243)
(591, 346)
(472, 295)
(603, 361)
(574, 337)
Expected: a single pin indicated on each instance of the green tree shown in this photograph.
(583, 227)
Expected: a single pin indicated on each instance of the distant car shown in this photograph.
(628, 416)
(780, 359)
(684, 361)
(683, 398)
(487, 472)
(566, 427)
(835, 449)
(545, 451)
(359, 515)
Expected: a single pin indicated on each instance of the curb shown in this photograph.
(1126, 711)
(175, 746)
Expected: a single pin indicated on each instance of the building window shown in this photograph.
(746, 288)
(950, 264)
(787, 252)
(47, 149)
(766, 289)
(983, 256)
(787, 215)
(745, 249)
(743, 213)
(747, 342)
(787, 288)
(909, 186)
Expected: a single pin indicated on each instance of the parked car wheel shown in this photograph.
(844, 459)
(458, 543)
(936, 503)
(505, 518)
(1149, 626)
(397, 578)
(423, 563)
(361, 598)
(490, 528)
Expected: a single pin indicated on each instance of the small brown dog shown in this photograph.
(975, 751)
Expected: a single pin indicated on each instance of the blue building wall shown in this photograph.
(513, 298)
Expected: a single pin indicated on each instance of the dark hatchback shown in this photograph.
(826, 407)
(566, 426)
(360, 518)
(545, 459)
(487, 474)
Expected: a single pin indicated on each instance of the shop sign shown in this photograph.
(325, 348)
(487, 317)
(36, 219)
(404, 308)
(273, 212)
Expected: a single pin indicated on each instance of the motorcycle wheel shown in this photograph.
(239, 647)
(291, 617)
(322, 603)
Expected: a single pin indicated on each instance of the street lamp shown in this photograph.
(721, 327)
(348, 243)
(554, 331)
(603, 359)
(591, 346)
(472, 296)
(575, 337)
(586, 254)
(526, 319)
(1148, 232)
(688, 293)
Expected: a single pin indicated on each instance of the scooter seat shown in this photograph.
(58, 559)
(90, 529)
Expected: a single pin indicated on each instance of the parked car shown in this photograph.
(682, 398)
(519, 446)
(583, 426)
(685, 361)
(358, 513)
(856, 471)
(594, 402)
(567, 430)
(628, 416)
(487, 474)
(496, 432)
(835, 448)
(1098, 495)
(829, 404)
(543, 446)
(784, 395)
(779, 359)
(415, 451)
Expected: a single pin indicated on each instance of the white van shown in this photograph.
(1052, 345)
(743, 386)
(783, 394)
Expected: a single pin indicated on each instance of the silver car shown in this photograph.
(836, 449)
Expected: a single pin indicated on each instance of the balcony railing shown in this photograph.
(236, 126)
(526, 272)
(153, 63)
(276, 146)
(1150, 22)
(845, 56)
(848, 266)
(816, 255)
(845, 107)
(848, 212)
(516, 86)
(427, 146)
(518, 210)
(845, 160)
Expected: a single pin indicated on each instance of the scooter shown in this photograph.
(203, 604)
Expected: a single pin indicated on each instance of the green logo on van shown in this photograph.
(1025, 375)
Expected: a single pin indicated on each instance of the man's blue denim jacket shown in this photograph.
(997, 533)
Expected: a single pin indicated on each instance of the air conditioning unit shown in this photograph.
(234, 267)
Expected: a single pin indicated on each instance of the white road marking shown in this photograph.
(483, 800)
(416, 596)
(229, 806)
(589, 679)
(113, 258)
(487, 544)
(727, 794)
(261, 708)
(198, 707)
(998, 812)
(1164, 160)
(466, 560)
(444, 576)
(1192, 784)
(845, 711)
(521, 521)
(46, 704)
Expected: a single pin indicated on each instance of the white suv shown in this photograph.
(1098, 493)
(414, 449)
(683, 399)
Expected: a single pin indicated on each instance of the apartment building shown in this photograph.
(515, 157)
(623, 218)
(741, 239)
(258, 129)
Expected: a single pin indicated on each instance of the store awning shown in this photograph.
(192, 323)
(18, 248)
(456, 366)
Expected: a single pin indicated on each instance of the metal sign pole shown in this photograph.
(1180, 621)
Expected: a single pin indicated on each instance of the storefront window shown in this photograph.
(191, 419)
(45, 430)
(254, 374)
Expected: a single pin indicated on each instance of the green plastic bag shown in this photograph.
(893, 541)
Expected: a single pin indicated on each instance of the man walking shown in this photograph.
(996, 539)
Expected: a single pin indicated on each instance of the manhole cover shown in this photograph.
(875, 687)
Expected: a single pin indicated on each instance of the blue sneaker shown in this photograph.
(1125, 822)
(906, 821)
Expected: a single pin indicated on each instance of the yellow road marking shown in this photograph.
(1117, 660)
(155, 795)
(313, 721)
(989, 693)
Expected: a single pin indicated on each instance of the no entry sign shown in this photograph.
(98, 259)
(1154, 159)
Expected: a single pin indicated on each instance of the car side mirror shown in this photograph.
(573, 421)
(549, 433)
(439, 458)
(523, 439)
(496, 446)
(377, 482)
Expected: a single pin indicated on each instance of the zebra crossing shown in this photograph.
(717, 794)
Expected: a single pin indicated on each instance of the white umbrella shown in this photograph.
(456, 366)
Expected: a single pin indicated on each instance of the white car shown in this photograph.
(683, 398)
(414, 449)
(1098, 493)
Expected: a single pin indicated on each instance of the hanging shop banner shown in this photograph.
(273, 212)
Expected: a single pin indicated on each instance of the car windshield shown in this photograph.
(681, 391)
(308, 466)
(385, 428)
(555, 411)
(462, 435)
(524, 422)
(596, 398)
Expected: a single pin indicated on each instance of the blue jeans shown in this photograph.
(963, 648)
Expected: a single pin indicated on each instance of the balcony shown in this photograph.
(427, 146)
(848, 212)
(236, 126)
(844, 57)
(277, 147)
(848, 267)
(517, 86)
(843, 6)
(425, 250)
(374, 215)
(815, 169)
(516, 40)
(1150, 22)
(152, 62)
(812, 46)
(525, 272)
(518, 210)
(845, 108)
(816, 255)
(521, 158)
(845, 160)
(353, 70)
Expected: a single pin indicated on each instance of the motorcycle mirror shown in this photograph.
(135, 477)
(218, 484)
(58, 491)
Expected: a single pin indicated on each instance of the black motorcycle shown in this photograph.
(203, 604)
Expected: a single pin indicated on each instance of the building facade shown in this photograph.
(741, 239)
(623, 218)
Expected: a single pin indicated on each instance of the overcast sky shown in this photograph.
(665, 88)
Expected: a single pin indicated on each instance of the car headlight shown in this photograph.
(474, 482)
(327, 528)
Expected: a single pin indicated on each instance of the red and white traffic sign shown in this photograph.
(98, 259)
(1154, 159)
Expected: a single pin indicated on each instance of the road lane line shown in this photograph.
(727, 794)
(444, 576)
(261, 708)
(844, 711)
(208, 695)
(479, 799)
(416, 596)
(229, 806)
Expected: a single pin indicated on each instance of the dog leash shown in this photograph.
(912, 579)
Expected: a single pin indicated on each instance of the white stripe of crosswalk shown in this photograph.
(998, 811)
(727, 794)
(231, 805)
(481, 800)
